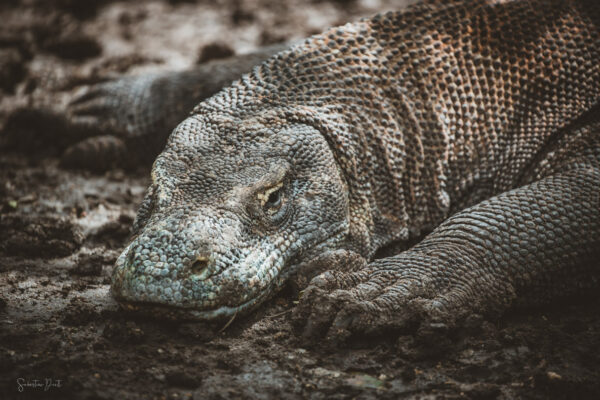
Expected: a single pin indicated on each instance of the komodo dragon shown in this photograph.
(471, 128)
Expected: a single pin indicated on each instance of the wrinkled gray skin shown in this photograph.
(473, 123)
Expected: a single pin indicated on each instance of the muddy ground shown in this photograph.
(61, 334)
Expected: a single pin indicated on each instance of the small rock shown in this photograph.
(240, 15)
(364, 381)
(214, 51)
(553, 375)
(322, 372)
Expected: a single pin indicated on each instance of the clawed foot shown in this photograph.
(117, 123)
(125, 107)
(401, 294)
(124, 123)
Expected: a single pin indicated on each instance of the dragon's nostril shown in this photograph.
(200, 266)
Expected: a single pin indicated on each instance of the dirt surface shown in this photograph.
(62, 335)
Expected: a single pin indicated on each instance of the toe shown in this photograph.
(315, 312)
(96, 107)
(98, 154)
(334, 280)
(85, 94)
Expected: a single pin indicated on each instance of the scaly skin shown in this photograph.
(477, 122)
(127, 121)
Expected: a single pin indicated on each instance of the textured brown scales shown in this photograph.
(455, 104)
(441, 101)
(476, 120)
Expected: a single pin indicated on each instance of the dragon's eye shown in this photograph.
(271, 199)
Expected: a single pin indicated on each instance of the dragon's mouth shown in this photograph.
(190, 312)
(200, 312)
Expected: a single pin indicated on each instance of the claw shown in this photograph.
(85, 94)
(94, 107)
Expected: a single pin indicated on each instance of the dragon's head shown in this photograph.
(235, 204)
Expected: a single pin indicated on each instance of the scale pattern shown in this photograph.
(472, 123)
(125, 122)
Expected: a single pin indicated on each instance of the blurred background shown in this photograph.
(51, 44)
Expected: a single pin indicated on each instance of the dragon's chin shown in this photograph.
(158, 310)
